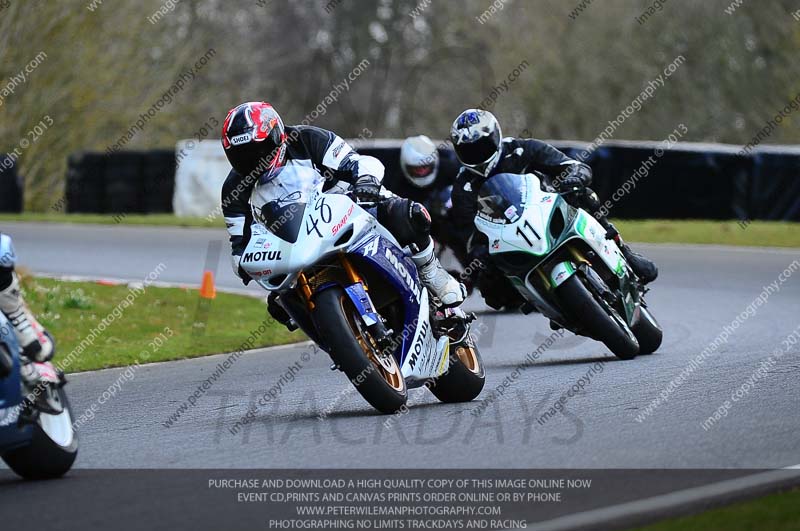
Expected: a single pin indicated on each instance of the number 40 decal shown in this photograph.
(530, 228)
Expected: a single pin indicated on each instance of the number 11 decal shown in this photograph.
(525, 236)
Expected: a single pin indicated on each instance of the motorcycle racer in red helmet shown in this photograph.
(256, 141)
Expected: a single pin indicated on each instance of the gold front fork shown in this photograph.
(305, 289)
(578, 256)
(575, 254)
(352, 274)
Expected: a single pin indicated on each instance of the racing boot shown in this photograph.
(38, 387)
(35, 344)
(645, 269)
(439, 282)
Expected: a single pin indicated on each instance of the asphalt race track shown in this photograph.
(701, 290)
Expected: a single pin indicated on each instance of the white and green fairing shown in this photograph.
(535, 225)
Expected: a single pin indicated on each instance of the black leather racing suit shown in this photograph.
(435, 197)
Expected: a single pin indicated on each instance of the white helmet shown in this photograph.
(419, 160)
(477, 140)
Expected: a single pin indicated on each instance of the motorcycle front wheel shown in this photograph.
(597, 318)
(375, 374)
(53, 448)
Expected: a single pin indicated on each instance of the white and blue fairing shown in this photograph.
(11, 435)
(299, 226)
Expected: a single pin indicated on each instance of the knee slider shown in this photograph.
(408, 221)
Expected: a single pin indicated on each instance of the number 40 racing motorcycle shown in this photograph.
(348, 284)
(559, 260)
(37, 440)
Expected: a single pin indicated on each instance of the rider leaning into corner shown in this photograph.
(483, 152)
(36, 346)
(257, 143)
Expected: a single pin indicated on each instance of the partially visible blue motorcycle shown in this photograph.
(37, 439)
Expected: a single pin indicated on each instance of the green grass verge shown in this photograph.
(755, 233)
(71, 310)
(778, 512)
(119, 219)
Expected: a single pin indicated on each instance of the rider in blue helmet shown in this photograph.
(483, 152)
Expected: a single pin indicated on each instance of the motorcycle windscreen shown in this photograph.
(284, 221)
(500, 198)
(280, 197)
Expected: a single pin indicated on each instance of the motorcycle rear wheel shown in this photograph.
(648, 332)
(465, 376)
(375, 376)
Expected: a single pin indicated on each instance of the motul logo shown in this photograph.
(404, 274)
(416, 349)
(260, 256)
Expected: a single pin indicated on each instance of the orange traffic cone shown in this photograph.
(207, 289)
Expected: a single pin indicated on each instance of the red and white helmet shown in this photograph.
(254, 138)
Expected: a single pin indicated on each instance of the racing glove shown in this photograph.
(569, 184)
(367, 189)
(575, 177)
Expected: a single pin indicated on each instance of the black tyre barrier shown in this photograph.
(118, 183)
(678, 185)
(702, 181)
(124, 184)
(85, 190)
(158, 175)
(774, 190)
(11, 186)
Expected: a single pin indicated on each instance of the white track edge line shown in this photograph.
(664, 501)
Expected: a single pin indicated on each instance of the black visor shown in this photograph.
(478, 151)
(253, 155)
